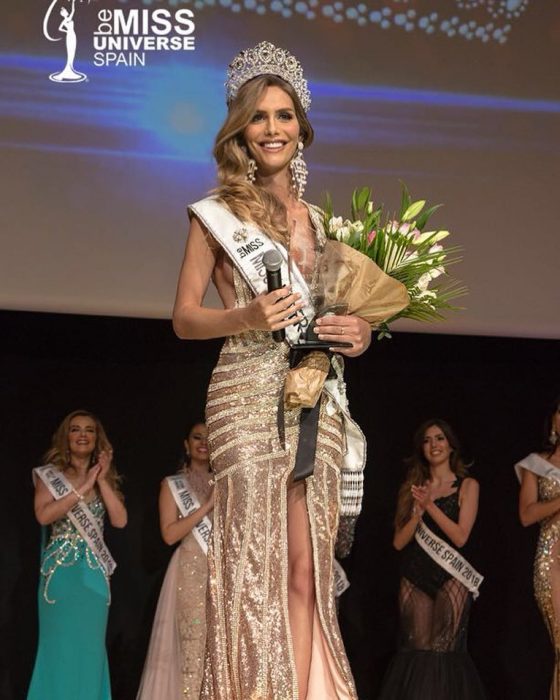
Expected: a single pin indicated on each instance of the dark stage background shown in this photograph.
(147, 387)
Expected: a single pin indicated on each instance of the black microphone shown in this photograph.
(272, 260)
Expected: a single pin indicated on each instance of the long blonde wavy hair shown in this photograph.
(248, 201)
(419, 469)
(58, 453)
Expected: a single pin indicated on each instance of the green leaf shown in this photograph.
(413, 210)
(422, 219)
(364, 195)
(354, 207)
(405, 199)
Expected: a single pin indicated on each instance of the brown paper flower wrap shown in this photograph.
(357, 281)
(352, 279)
(304, 383)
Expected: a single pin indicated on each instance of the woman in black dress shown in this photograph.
(436, 510)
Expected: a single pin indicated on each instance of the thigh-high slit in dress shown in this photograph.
(249, 654)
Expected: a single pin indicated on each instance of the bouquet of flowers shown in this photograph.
(402, 248)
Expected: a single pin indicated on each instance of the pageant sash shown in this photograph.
(355, 452)
(246, 244)
(539, 466)
(341, 582)
(80, 516)
(448, 558)
(188, 503)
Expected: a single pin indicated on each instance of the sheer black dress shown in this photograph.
(432, 662)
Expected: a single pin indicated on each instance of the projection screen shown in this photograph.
(460, 99)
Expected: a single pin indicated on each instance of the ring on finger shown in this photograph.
(341, 330)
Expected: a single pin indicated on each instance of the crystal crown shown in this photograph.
(262, 59)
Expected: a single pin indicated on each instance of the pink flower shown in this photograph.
(371, 235)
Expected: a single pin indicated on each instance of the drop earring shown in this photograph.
(298, 169)
(251, 170)
(251, 165)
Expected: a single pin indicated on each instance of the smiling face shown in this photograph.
(196, 444)
(272, 134)
(82, 436)
(436, 447)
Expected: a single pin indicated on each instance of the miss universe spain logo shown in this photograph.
(62, 22)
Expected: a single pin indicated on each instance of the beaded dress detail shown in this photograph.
(73, 600)
(547, 573)
(432, 661)
(249, 653)
(66, 546)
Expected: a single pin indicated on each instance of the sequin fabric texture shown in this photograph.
(547, 571)
(191, 599)
(66, 547)
(249, 649)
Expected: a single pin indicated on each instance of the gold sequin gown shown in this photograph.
(249, 647)
(547, 575)
(175, 659)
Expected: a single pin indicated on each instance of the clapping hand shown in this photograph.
(91, 478)
(422, 497)
(103, 464)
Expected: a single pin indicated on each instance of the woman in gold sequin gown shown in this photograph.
(174, 663)
(272, 627)
(539, 501)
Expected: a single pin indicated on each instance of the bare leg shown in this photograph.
(301, 585)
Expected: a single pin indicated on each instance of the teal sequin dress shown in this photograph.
(74, 599)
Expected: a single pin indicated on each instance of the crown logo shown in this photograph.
(267, 58)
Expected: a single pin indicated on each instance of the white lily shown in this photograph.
(335, 223)
(343, 234)
(357, 226)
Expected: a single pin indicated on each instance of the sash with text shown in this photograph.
(80, 516)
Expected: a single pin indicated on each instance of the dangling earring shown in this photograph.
(251, 170)
(298, 169)
(251, 165)
(553, 437)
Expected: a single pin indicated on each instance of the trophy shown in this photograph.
(323, 274)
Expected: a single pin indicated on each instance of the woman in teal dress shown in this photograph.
(73, 492)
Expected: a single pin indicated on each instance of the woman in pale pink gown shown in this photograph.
(174, 664)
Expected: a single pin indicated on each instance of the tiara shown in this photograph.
(267, 58)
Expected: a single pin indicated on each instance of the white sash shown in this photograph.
(188, 503)
(80, 515)
(448, 558)
(539, 466)
(245, 245)
(341, 582)
(355, 453)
